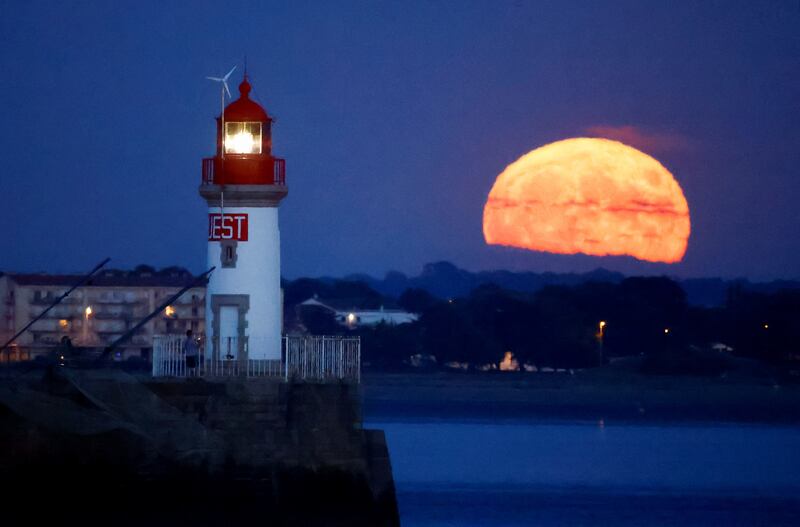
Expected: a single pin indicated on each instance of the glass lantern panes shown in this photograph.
(242, 138)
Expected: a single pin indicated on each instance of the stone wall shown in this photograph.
(193, 452)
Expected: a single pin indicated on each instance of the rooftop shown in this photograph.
(353, 304)
(142, 276)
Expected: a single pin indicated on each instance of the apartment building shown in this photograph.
(101, 311)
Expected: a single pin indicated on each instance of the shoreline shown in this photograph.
(608, 395)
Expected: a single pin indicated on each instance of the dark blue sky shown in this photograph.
(394, 118)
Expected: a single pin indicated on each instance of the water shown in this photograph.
(520, 473)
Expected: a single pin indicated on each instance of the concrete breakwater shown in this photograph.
(104, 446)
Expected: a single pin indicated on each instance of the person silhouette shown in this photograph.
(191, 350)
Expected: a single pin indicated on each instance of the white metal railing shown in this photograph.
(303, 358)
(322, 358)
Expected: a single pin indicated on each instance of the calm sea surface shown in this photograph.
(514, 473)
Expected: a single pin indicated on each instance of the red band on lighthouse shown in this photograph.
(227, 227)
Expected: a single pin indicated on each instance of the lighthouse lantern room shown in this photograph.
(243, 185)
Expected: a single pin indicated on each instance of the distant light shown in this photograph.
(509, 363)
(351, 318)
(666, 331)
(63, 323)
(601, 333)
(169, 311)
(450, 300)
(766, 326)
(88, 311)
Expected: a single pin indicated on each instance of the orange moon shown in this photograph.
(591, 196)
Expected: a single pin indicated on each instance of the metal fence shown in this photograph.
(211, 169)
(322, 358)
(303, 358)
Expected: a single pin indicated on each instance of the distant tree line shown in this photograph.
(559, 326)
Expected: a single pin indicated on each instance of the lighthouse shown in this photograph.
(243, 185)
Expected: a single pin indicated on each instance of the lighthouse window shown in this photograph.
(228, 253)
(242, 138)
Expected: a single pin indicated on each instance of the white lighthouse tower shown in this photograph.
(243, 186)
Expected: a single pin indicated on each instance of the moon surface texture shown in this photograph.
(591, 196)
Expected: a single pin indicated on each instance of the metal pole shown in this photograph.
(222, 120)
(154, 365)
(344, 359)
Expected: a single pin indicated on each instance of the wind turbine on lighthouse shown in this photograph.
(244, 306)
(223, 90)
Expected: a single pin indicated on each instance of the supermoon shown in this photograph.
(590, 196)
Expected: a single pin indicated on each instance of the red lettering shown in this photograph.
(241, 226)
(215, 221)
(227, 227)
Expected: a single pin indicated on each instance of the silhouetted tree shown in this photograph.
(368, 297)
(389, 346)
(302, 289)
(449, 333)
(416, 300)
(763, 326)
(320, 321)
(563, 333)
(645, 307)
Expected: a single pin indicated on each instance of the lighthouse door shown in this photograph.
(228, 332)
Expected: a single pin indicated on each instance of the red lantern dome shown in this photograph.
(245, 109)
(244, 146)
